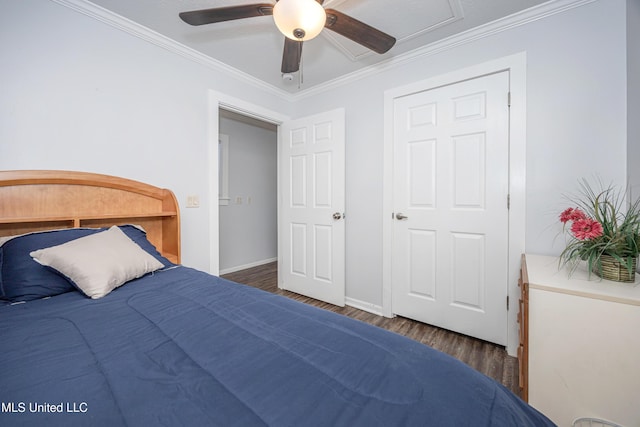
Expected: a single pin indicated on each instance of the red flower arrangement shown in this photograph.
(583, 227)
(599, 225)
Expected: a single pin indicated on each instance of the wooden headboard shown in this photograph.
(37, 200)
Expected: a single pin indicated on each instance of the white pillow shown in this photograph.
(99, 263)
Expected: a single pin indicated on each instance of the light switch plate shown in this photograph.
(193, 201)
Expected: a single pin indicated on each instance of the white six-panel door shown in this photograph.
(450, 191)
(312, 225)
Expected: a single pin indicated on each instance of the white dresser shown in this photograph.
(580, 344)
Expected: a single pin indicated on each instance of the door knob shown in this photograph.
(337, 216)
(400, 216)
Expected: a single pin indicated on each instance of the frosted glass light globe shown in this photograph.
(294, 15)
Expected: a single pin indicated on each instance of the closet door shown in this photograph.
(450, 191)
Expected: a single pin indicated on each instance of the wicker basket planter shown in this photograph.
(610, 269)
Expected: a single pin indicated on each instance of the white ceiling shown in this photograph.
(254, 45)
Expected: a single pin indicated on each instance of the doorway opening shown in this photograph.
(323, 184)
(247, 202)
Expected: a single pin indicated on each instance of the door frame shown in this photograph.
(516, 65)
(217, 100)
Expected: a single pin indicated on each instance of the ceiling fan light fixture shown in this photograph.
(299, 20)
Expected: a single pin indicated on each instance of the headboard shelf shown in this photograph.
(45, 200)
(80, 219)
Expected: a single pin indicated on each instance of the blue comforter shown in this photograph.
(184, 348)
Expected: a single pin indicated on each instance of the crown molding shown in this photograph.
(524, 17)
(114, 20)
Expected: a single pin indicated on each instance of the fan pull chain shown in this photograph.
(300, 74)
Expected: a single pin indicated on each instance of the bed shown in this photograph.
(95, 331)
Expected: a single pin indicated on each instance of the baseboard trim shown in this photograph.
(364, 306)
(245, 266)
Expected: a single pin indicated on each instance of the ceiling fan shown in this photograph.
(299, 21)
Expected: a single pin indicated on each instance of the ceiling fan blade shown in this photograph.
(221, 14)
(291, 56)
(359, 32)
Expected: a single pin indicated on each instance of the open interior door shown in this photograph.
(311, 232)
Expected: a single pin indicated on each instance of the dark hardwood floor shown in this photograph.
(490, 359)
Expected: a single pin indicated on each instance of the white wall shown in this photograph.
(576, 126)
(633, 96)
(78, 94)
(249, 229)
